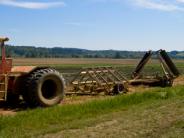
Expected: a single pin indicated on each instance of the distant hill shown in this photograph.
(57, 52)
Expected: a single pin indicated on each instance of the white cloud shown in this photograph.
(31, 5)
(181, 1)
(163, 5)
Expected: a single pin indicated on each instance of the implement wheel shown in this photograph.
(118, 89)
(44, 87)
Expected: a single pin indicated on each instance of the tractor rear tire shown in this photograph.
(44, 88)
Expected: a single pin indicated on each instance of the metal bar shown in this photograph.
(78, 74)
(107, 88)
(119, 74)
(165, 68)
(169, 63)
(141, 64)
(107, 75)
(113, 74)
(98, 82)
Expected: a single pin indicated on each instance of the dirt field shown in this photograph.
(71, 61)
(77, 61)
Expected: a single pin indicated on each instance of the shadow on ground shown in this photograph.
(10, 109)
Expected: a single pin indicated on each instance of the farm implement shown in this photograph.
(170, 72)
(93, 81)
(44, 86)
(110, 81)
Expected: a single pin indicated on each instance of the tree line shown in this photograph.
(59, 52)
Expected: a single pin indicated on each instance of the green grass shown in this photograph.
(37, 122)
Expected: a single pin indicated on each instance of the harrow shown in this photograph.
(92, 81)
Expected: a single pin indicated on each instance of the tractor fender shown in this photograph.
(25, 69)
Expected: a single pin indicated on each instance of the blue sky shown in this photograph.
(94, 24)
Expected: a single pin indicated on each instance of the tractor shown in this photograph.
(37, 86)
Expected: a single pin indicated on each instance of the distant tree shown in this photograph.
(117, 55)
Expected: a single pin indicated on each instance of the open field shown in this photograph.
(154, 113)
(73, 65)
(147, 112)
(80, 61)
(72, 61)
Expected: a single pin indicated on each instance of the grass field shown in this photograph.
(155, 112)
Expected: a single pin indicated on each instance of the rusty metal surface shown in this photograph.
(6, 63)
(5, 67)
(22, 69)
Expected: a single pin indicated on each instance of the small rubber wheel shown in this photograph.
(166, 82)
(118, 89)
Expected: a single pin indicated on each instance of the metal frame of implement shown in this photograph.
(92, 81)
(169, 69)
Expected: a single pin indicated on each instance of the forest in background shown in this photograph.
(59, 52)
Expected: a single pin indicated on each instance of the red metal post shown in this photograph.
(3, 58)
(6, 64)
